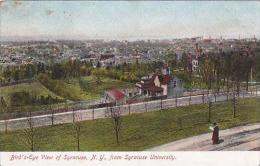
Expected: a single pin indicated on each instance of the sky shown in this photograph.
(130, 19)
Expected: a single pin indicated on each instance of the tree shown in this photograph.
(237, 70)
(98, 74)
(234, 102)
(30, 71)
(117, 120)
(247, 67)
(57, 71)
(209, 109)
(207, 72)
(30, 134)
(218, 69)
(3, 104)
(76, 127)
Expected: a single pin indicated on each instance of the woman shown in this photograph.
(215, 135)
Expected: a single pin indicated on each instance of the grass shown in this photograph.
(68, 90)
(35, 88)
(72, 90)
(106, 83)
(139, 131)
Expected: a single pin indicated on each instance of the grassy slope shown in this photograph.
(139, 131)
(70, 91)
(35, 88)
(106, 83)
(73, 91)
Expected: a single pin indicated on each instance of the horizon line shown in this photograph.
(80, 37)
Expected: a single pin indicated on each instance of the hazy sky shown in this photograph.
(126, 19)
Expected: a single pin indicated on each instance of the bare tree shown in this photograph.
(234, 104)
(76, 127)
(117, 120)
(209, 109)
(30, 134)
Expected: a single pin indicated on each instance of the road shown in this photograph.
(91, 114)
(242, 138)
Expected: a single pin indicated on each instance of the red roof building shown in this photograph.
(115, 96)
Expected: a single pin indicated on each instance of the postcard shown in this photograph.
(129, 83)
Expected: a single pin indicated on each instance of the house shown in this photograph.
(195, 64)
(130, 92)
(115, 96)
(163, 84)
(147, 87)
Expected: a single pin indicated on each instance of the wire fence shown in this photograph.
(51, 117)
(180, 118)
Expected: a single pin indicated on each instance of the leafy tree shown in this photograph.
(98, 74)
(3, 104)
(207, 72)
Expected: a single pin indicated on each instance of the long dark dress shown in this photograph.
(215, 135)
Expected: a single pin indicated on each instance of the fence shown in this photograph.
(54, 118)
(10, 83)
(45, 109)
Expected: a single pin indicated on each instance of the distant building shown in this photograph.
(115, 96)
(195, 65)
(163, 84)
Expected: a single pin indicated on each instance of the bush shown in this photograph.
(24, 98)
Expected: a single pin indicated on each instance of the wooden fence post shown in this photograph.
(227, 95)
(93, 113)
(176, 101)
(5, 126)
(161, 104)
(52, 117)
(145, 106)
(129, 109)
(190, 99)
(73, 114)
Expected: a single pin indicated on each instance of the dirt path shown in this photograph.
(242, 138)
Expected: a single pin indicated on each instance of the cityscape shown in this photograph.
(85, 76)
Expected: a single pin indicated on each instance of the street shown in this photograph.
(242, 138)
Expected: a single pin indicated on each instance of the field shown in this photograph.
(106, 83)
(139, 131)
(71, 90)
(87, 90)
(35, 88)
